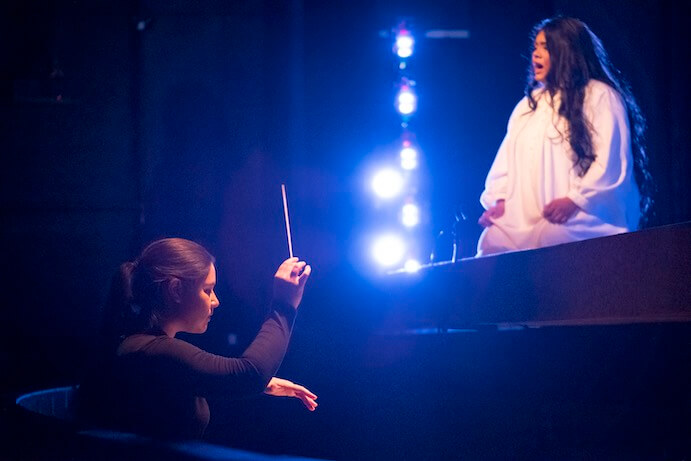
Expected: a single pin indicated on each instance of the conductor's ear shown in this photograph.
(174, 291)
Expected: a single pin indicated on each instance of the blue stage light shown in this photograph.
(388, 250)
(406, 101)
(408, 158)
(404, 44)
(412, 265)
(387, 183)
(410, 215)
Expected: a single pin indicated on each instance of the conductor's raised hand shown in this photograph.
(289, 281)
(279, 387)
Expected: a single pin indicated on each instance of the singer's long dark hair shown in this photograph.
(137, 299)
(577, 56)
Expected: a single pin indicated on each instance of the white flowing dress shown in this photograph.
(534, 165)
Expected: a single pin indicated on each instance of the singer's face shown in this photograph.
(541, 62)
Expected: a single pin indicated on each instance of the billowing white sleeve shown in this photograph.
(496, 184)
(602, 189)
(497, 178)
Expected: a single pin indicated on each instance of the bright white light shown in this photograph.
(412, 265)
(406, 97)
(387, 183)
(406, 109)
(404, 45)
(404, 52)
(388, 250)
(410, 215)
(404, 41)
(408, 158)
(406, 102)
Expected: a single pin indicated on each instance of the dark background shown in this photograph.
(122, 122)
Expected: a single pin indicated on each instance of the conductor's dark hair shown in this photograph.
(577, 56)
(137, 300)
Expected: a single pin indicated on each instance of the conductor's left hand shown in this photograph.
(283, 388)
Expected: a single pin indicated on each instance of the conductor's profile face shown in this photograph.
(540, 58)
(198, 304)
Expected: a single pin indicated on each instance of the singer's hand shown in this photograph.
(560, 210)
(493, 212)
(289, 281)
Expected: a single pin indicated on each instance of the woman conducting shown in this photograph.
(572, 164)
(151, 383)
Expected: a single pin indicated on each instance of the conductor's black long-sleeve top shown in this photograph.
(157, 385)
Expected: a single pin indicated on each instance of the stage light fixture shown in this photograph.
(410, 215)
(412, 265)
(406, 101)
(388, 250)
(387, 183)
(404, 44)
(408, 158)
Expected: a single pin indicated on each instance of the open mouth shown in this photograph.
(537, 66)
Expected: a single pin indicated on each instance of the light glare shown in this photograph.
(406, 97)
(387, 183)
(408, 158)
(406, 102)
(405, 52)
(412, 265)
(404, 46)
(404, 41)
(388, 250)
(410, 215)
(406, 109)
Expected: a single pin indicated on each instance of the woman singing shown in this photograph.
(572, 165)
